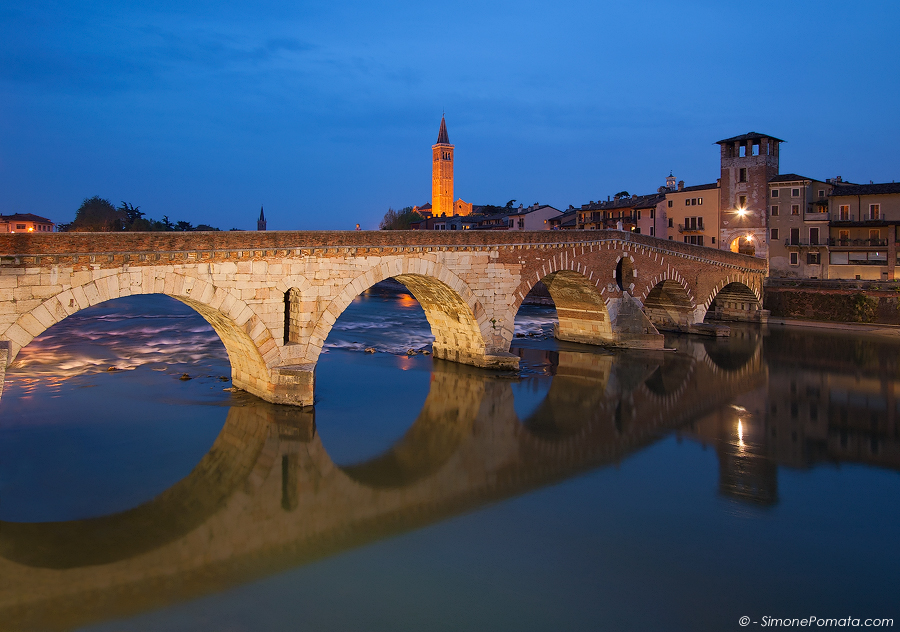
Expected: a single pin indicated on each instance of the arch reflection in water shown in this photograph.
(268, 496)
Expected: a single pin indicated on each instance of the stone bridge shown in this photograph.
(267, 497)
(273, 297)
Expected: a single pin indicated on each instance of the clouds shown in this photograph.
(326, 112)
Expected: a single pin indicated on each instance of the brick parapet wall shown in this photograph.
(116, 249)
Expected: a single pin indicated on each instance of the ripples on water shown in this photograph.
(755, 475)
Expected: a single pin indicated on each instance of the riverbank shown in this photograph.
(872, 303)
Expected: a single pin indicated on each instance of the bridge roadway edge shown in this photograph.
(238, 280)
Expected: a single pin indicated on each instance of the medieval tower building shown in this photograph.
(748, 163)
(442, 174)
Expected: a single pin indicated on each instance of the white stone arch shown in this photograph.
(465, 337)
(251, 349)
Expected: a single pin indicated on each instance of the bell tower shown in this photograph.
(442, 174)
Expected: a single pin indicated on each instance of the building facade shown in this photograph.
(692, 214)
(798, 227)
(862, 240)
(25, 223)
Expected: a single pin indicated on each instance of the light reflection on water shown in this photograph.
(682, 534)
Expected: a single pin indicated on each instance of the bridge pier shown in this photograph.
(292, 385)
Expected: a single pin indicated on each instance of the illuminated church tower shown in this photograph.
(442, 174)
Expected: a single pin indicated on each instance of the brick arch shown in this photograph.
(742, 283)
(248, 342)
(669, 301)
(591, 288)
(461, 326)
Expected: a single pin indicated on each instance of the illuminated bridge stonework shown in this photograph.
(273, 297)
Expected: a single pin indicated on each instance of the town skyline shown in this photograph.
(323, 116)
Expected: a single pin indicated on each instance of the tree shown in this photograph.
(97, 214)
(134, 218)
(510, 203)
(621, 194)
(394, 220)
(183, 226)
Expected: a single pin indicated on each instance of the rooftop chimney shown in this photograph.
(681, 185)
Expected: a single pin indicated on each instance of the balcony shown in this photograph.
(839, 242)
(797, 243)
(690, 229)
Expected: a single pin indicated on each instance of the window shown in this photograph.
(821, 193)
(795, 236)
(874, 237)
(755, 150)
(795, 258)
(670, 222)
(742, 201)
(795, 209)
(774, 192)
(814, 236)
(774, 210)
(813, 258)
(639, 214)
(20, 226)
(845, 212)
(774, 235)
(874, 211)
(712, 239)
(687, 201)
(670, 237)
(652, 232)
(795, 192)
(742, 175)
(742, 151)
(637, 230)
(670, 203)
(699, 201)
(652, 213)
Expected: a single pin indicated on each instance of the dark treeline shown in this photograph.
(98, 215)
(399, 220)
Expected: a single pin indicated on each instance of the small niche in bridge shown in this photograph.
(625, 274)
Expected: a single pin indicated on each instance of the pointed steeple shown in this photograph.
(443, 138)
(261, 222)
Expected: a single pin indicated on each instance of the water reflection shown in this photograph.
(268, 496)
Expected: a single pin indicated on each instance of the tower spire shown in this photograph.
(443, 138)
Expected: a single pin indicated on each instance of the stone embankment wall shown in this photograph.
(853, 302)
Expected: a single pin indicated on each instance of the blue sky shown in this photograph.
(326, 112)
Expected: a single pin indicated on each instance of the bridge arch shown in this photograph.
(735, 297)
(670, 303)
(462, 328)
(248, 342)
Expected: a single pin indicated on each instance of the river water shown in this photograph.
(591, 490)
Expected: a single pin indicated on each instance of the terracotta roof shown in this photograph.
(791, 177)
(697, 187)
(747, 136)
(25, 217)
(866, 189)
(443, 138)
